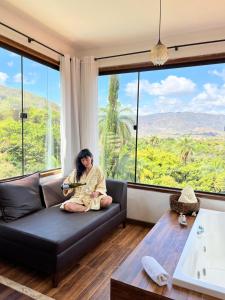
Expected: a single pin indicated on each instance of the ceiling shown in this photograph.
(107, 23)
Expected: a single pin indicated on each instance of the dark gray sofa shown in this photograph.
(51, 240)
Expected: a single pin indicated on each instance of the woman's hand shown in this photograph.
(95, 194)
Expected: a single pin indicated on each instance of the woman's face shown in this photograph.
(86, 162)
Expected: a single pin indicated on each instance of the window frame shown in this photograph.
(170, 64)
(25, 51)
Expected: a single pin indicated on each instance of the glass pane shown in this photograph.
(41, 96)
(182, 128)
(117, 115)
(10, 107)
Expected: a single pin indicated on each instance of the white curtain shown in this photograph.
(79, 113)
(89, 106)
(70, 91)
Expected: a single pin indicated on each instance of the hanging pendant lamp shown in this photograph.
(159, 53)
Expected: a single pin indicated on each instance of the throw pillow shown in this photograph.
(52, 192)
(19, 197)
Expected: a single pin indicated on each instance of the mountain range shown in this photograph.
(182, 123)
(170, 124)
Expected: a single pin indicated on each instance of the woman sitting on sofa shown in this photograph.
(91, 195)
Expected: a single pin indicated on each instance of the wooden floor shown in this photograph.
(90, 278)
(8, 293)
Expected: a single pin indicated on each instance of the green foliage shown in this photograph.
(7, 168)
(43, 120)
(202, 166)
(159, 162)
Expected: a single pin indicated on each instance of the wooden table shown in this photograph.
(165, 243)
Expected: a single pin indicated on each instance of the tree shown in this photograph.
(154, 140)
(186, 151)
(114, 128)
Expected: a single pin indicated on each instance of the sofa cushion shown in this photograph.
(54, 230)
(19, 197)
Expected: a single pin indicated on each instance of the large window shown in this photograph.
(29, 115)
(180, 137)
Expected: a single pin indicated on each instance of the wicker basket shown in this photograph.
(181, 207)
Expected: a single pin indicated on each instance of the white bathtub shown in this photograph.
(202, 263)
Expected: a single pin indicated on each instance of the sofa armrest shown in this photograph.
(52, 193)
(118, 191)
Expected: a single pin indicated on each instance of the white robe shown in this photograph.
(95, 182)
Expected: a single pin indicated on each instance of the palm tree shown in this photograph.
(114, 128)
(186, 145)
(154, 140)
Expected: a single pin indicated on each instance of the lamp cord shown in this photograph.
(160, 21)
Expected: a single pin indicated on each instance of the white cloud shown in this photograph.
(13, 54)
(29, 81)
(26, 80)
(3, 77)
(211, 99)
(146, 110)
(212, 94)
(17, 77)
(10, 63)
(31, 78)
(219, 74)
(164, 104)
(167, 101)
(131, 88)
(171, 85)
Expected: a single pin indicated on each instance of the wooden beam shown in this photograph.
(28, 52)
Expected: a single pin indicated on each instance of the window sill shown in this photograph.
(50, 172)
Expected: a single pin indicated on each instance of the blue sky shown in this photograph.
(38, 79)
(198, 89)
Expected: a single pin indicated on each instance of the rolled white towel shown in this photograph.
(155, 270)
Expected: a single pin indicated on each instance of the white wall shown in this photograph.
(149, 206)
(34, 30)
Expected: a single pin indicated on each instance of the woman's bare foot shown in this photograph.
(106, 201)
(74, 207)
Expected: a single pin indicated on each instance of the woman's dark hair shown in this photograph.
(80, 168)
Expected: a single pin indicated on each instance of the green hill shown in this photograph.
(11, 102)
(41, 133)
